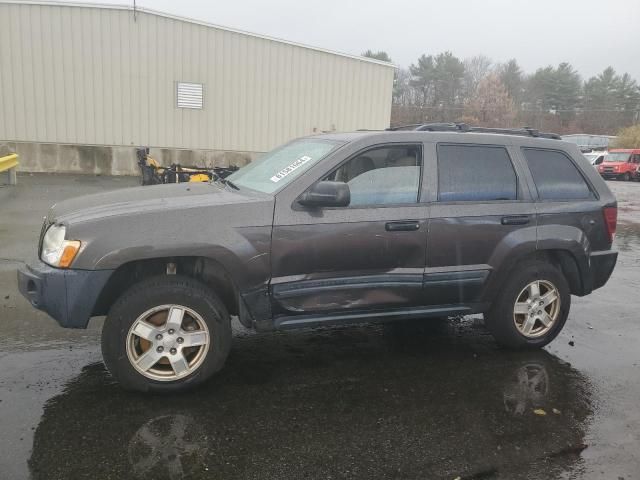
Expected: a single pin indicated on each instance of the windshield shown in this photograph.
(277, 168)
(617, 157)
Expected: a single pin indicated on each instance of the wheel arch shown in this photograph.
(564, 259)
(207, 270)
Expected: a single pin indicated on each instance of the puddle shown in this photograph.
(358, 402)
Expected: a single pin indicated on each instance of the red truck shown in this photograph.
(622, 164)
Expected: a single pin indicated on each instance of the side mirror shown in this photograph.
(326, 194)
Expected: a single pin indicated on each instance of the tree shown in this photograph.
(552, 98)
(512, 78)
(628, 137)
(567, 90)
(491, 104)
(610, 101)
(628, 97)
(402, 93)
(600, 91)
(438, 79)
(449, 72)
(380, 55)
(475, 69)
(555, 90)
(423, 77)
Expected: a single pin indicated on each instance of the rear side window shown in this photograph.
(555, 175)
(475, 173)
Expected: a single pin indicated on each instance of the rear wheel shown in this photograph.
(532, 308)
(166, 334)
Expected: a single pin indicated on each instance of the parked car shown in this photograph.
(620, 164)
(595, 158)
(330, 229)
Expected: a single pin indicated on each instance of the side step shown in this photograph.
(288, 322)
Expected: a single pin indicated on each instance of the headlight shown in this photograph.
(56, 251)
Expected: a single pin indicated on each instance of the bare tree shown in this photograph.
(475, 69)
(402, 92)
(491, 105)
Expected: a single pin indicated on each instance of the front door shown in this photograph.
(367, 256)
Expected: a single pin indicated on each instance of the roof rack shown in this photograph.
(463, 127)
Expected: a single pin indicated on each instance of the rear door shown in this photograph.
(481, 211)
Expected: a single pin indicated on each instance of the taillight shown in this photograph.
(610, 220)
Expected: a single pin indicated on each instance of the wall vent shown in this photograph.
(190, 95)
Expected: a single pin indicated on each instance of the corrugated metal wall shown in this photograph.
(72, 74)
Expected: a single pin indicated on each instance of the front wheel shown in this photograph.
(532, 308)
(626, 177)
(166, 334)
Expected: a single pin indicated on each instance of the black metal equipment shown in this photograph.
(154, 174)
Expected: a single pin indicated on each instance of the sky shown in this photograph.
(589, 34)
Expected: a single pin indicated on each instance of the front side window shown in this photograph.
(382, 176)
(277, 168)
(475, 173)
(555, 175)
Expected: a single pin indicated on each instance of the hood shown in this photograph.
(136, 200)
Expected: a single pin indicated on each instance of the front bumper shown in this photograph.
(602, 264)
(68, 296)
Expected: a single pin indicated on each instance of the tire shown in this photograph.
(626, 177)
(191, 352)
(507, 326)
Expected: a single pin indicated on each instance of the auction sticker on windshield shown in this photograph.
(290, 168)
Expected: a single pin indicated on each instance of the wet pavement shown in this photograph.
(419, 400)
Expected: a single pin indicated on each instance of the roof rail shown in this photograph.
(463, 127)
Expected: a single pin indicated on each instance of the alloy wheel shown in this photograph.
(536, 309)
(168, 342)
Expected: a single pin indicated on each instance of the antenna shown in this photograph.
(134, 11)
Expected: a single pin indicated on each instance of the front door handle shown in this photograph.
(402, 226)
(515, 220)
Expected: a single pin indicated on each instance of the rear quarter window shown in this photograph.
(556, 176)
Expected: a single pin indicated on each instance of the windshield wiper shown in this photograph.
(231, 184)
(225, 182)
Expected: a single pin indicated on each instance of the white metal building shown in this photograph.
(104, 75)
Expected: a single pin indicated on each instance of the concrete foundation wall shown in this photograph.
(113, 160)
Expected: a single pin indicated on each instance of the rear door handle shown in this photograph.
(515, 220)
(402, 226)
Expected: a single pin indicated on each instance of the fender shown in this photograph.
(519, 245)
(574, 241)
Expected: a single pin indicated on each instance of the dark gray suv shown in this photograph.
(363, 226)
